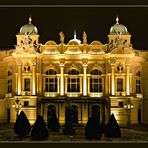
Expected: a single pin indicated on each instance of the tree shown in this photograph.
(39, 130)
(92, 129)
(53, 123)
(112, 128)
(22, 126)
(69, 128)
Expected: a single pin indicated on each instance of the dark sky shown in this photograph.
(96, 22)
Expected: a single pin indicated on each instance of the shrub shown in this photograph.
(92, 129)
(69, 128)
(22, 126)
(39, 130)
(112, 128)
(53, 123)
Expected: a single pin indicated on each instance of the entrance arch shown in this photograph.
(75, 114)
(95, 112)
(51, 110)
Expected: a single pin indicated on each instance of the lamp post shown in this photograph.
(17, 106)
(128, 106)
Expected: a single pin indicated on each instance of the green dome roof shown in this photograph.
(29, 28)
(118, 28)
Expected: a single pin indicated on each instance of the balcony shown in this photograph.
(50, 94)
(100, 94)
(26, 93)
(8, 95)
(139, 95)
(73, 94)
(120, 93)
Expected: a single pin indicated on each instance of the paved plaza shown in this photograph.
(135, 134)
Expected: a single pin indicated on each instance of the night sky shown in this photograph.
(96, 22)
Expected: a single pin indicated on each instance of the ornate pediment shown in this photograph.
(73, 50)
(122, 50)
(50, 50)
(96, 50)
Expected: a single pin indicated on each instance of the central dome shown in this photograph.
(29, 29)
(118, 28)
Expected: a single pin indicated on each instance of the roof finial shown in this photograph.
(117, 19)
(75, 35)
(30, 19)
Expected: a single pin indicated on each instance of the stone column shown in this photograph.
(16, 83)
(33, 80)
(19, 88)
(88, 85)
(127, 80)
(58, 85)
(62, 79)
(112, 79)
(66, 85)
(84, 79)
(81, 86)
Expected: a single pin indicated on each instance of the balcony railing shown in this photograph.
(73, 94)
(100, 94)
(50, 94)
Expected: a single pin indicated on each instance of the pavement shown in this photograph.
(134, 134)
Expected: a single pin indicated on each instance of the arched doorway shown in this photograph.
(95, 112)
(75, 114)
(51, 110)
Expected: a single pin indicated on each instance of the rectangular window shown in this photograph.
(95, 85)
(10, 86)
(120, 104)
(27, 84)
(138, 86)
(51, 85)
(26, 103)
(119, 84)
(73, 85)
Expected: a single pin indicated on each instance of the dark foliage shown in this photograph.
(92, 129)
(69, 128)
(103, 127)
(39, 130)
(22, 126)
(112, 128)
(53, 123)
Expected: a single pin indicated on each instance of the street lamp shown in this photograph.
(128, 106)
(17, 105)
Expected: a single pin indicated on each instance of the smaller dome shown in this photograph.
(74, 41)
(118, 28)
(29, 29)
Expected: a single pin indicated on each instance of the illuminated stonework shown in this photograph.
(93, 76)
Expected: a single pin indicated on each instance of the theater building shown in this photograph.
(91, 77)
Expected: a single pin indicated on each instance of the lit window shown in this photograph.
(27, 84)
(119, 84)
(10, 86)
(96, 81)
(9, 82)
(51, 82)
(138, 82)
(73, 82)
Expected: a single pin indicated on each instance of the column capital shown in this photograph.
(62, 65)
(85, 65)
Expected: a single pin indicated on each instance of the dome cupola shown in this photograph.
(118, 28)
(29, 28)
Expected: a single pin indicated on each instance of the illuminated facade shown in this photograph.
(92, 77)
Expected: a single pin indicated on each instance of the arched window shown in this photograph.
(138, 82)
(73, 81)
(51, 81)
(96, 81)
(9, 82)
